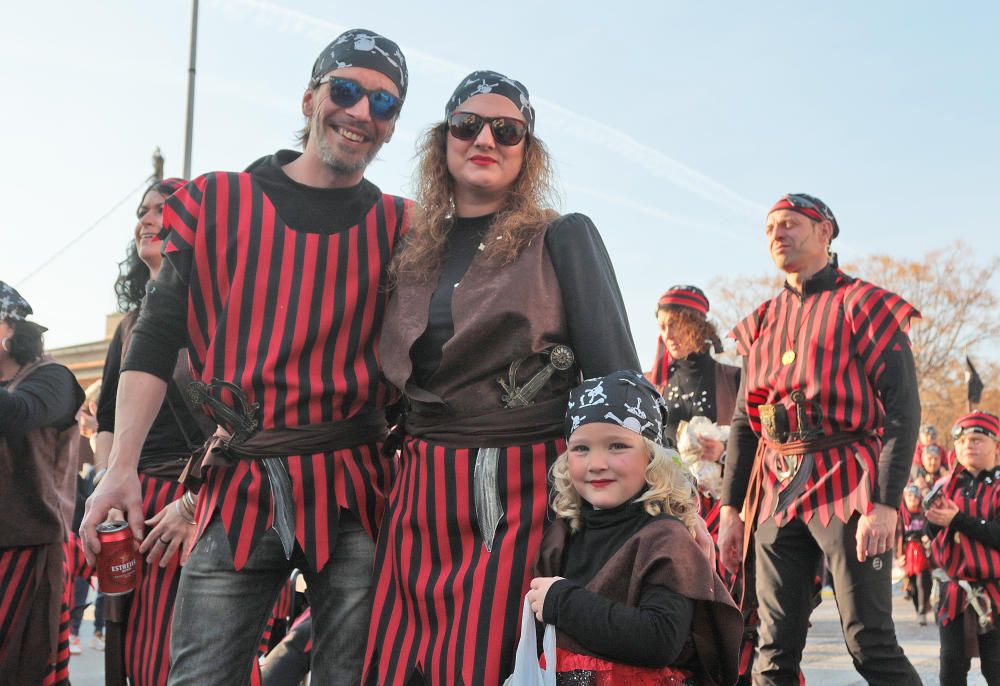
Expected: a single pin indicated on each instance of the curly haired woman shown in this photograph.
(490, 285)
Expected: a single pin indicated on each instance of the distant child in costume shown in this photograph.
(927, 437)
(632, 596)
(910, 548)
(966, 545)
(931, 468)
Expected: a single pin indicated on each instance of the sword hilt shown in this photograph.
(561, 358)
(241, 422)
(806, 432)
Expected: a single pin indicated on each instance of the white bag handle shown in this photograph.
(527, 671)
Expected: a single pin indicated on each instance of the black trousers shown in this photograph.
(787, 559)
(955, 665)
(288, 663)
(920, 586)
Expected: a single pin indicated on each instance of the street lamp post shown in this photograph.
(189, 128)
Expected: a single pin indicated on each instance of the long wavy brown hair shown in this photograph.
(524, 215)
(695, 331)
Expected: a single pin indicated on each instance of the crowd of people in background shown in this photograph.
(432, 413)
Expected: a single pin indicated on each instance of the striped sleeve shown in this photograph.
(877, 318)
(747, 331)
(182, 215)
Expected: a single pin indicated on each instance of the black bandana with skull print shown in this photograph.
(625, 398)
(13, 306)
(363, 48)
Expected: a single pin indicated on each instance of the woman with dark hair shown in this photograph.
(38, 463)
(490, 324)
(175, 433)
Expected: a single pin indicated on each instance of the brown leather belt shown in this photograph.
(795, 449)
(751, 503)
(324, 437)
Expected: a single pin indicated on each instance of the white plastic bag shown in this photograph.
(527, 671)
(690, 433)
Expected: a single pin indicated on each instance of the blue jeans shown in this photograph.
(81, 589)
(99, 613)
(220, 613)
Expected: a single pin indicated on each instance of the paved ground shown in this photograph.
(827, 663)
(826, 660)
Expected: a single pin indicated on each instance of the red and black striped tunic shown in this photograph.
(964, 556)
(850, 356)
(293, 318)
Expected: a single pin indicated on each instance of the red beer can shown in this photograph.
(116, 565)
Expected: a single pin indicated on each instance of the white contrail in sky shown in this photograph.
(638, 154)
(659, 214)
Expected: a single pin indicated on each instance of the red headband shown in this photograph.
(808, 206)
(977, 422)
(690, 297)
(783, 204)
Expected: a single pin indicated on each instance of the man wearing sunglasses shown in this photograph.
(820, 449)
(273, 278)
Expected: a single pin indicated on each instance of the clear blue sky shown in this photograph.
(674, 125)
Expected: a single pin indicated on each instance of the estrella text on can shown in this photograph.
(116, 564)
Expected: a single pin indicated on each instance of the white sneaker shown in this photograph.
(97, 641)
(74, 645)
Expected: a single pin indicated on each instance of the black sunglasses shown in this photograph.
(806, 203)
(800, 202)
(465, 126)
(346, 92)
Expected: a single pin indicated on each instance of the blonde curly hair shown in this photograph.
(670, 490)
(524, 216)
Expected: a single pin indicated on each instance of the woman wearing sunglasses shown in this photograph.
(499, 305)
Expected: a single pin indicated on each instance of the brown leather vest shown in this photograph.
(501, 314)
(38, 488)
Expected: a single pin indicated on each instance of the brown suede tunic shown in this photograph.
(37, 497)
(38, 488)
(664, 553)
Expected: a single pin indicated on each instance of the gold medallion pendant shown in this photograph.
(788, 357)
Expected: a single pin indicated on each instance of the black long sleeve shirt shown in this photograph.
(174, 431)
(652, 634)
(50, 396)
(898, 390)
(895, 388)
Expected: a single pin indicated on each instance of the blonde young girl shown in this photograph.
(633, 598)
